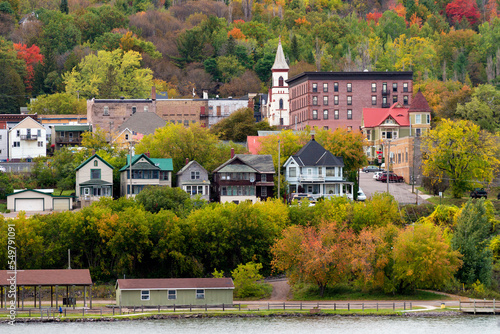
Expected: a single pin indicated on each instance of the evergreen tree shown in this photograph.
(64, 7)
(12, 95)
(294, 49)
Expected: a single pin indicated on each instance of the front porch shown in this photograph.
(323, 189)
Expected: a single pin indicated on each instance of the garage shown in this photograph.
(62, 204)
(31, 204)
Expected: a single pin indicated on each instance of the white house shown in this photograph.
(278, 102)
(27, 140)
(38, 200)
(316, 171)
(4, 144)
(94, 179)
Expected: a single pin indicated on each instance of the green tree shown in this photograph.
(64, 7)
(229, 67)
(471, 239)
(110, 75)
(238, 126)
(156, 198)
(97, 21)
(246, 277)
(59, 34)
(5, 185)
(483, 109)
(58, 103)
(462, 152)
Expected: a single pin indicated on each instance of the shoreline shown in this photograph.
(234, 315)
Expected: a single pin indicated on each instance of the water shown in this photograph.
(351, 325)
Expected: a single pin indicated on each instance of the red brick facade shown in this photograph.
(336, 99)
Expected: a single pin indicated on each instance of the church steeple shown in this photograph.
(280, 61)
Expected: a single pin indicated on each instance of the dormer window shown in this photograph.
(134, 110)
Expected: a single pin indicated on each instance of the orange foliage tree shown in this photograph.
(373, 17)
(32, 57)
(236, 33)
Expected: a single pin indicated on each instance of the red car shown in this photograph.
(392, 177)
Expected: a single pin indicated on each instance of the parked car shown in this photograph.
(301, 197)
(369, 169)
(393, 177)
(376, 175)
(478, 193)
(361, 195)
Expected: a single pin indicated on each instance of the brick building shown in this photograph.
(336, 99)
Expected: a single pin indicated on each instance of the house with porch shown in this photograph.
(244, 177)
(145, 171)
(193, 179)
(94, 179)
(316, 171)
(27, 140)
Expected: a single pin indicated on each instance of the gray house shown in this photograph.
(193, 179)
(174, 291)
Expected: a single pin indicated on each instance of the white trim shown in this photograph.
(156, 289)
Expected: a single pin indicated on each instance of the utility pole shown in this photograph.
(130, 169)
(69, 258)
(279, 169)
(388, 162)
(413, 166)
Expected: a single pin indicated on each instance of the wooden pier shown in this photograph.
(480, 307)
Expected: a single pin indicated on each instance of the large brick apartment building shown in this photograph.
(333, 100)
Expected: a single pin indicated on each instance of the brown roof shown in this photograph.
(419, 103)
(48, 277)
(175, 283)
(16, 117)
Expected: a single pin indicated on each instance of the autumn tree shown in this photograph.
(31, 55)
(321, 256)
(110, 75)
(457, 10)
(462, 152)
(241, 85)
(238, 126)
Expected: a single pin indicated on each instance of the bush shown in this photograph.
(245, 278)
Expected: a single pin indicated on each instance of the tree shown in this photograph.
(462, 152)
(156, 198)
(110, 75)
(5, 186)
(59, 33)
(241, 85)
(64, 7)
(246, 277)
(58, 103)
(483, 109)
(423, 259)
(320, 256)
(238, 126)
(472, 232)
(194, 143)
(457, 10)
(32, 57)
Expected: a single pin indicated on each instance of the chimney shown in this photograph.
(232, 152)
(205, 94)
(312, 137)
(147, 154)
(187, 161)
(153, 93)
(93, 152)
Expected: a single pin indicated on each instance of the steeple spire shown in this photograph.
(280, 61)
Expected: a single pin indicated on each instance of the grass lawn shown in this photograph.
(57, 192)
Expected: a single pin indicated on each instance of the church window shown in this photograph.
(280, 81)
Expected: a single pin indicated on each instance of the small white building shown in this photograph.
(30, 200)
(27, 140)
(278, 111)
(94, 179)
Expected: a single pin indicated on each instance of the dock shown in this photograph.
(480, 307)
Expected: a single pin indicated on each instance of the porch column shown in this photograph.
(39, 296)
(34, 305)
(84, 296)
(51, 296)
(57, 299)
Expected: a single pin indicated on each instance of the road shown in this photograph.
(401, 191)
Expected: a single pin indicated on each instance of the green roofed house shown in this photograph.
(174, 291)
(94, 179)
(145, 171)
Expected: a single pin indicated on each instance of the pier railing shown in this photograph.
(479, 306)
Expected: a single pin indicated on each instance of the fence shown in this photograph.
(117, 310)
(479, 306)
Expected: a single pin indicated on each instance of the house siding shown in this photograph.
(184, 297)
(83, 174)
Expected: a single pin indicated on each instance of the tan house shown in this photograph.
(94, 179)
(30, 200)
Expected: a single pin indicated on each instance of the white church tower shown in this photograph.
(278, 112)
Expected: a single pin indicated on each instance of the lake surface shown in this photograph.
(351, 325)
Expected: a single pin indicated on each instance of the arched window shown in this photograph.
(280, 82)
(281, 103)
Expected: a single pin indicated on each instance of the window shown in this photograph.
(95, 163)
(186, 123)
(40, 144)
(325, 100)
(144, 294)
(263, 192)
(330, 171)
(126, 136)
(315, 100)
(200, 294)
(280, 81)
(405, 87)
(395, 87)
(374, 100)
(325, 88)
(292, 171)
(134, 110)
(405, 100)
(281, 103)
(315, 114)
(349, 113)
(399, 158)
(349, 128)
(384, 101)
(349, 100)
(38, 133)
(195, 175)
(349, 87)
(384, 87)
(418, 119)
(320, 171)
(394, 99)
(315, 87)
(263, 178)
(18, 133)
(172, 294)
(16, 144)
(368, 134)
(325, 114)
(336, 100)
(428, 120)
(418, 132)
(336, 114)
(374, 87)
(95, 174)
(106, 111)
